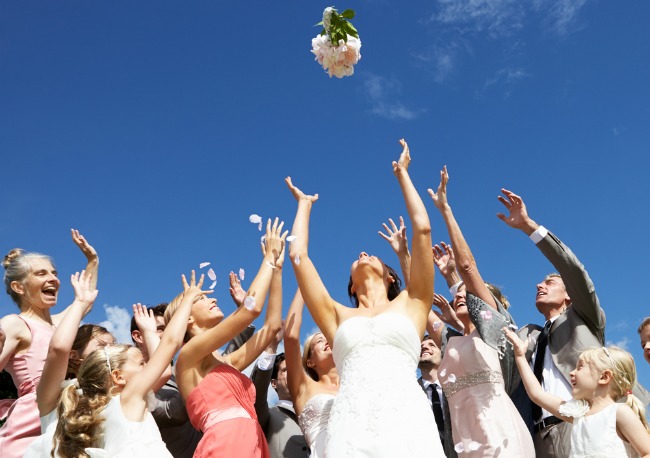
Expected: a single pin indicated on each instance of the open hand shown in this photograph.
(444, 259)
(298, 194)
(89, 252)
(402, 165)
(83, 293)
(519, 345)
(396, 237)
(518, 215)
(236, 291)
(274, 242)
(440, 197)
(144, 318)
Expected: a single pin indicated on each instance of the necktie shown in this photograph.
(542, 343)
(436, 406)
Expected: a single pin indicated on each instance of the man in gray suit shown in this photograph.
(574, 322)
(279, 423)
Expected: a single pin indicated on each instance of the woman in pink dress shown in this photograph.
(475, 371)
(219, 399)
(31, 281)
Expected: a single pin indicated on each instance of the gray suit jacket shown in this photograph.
(280, 425)
(580, 326)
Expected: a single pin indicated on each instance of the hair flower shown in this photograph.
(575, 408)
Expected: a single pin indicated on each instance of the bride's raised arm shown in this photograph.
(319, 302)
(420, 286)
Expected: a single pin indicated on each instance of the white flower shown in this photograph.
(575, 408)
(327, 17)
(459, 447)
(241, 274)
(249, 303)
(473, 446)
(337, 60)
(256, 219)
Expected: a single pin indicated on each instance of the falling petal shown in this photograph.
(459, 447)
(214, 283)
(241, 274)
(473, 446)
(259, 226)
(437, 325)
(486, 314)
(211, 275)
(451, 378)
(297, 260)
(204, 264)
(291, 238)
(443, 373)
(249, 303)
(263, 238)
(255, 218)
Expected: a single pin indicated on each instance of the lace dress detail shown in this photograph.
(594, 436)
(380, 410)
(313, 422)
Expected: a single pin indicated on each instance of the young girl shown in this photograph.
(219, 399)
(601, 427)
(313, 381)
(110, 400)
(32, 282)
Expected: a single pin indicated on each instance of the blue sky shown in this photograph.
(157, 128)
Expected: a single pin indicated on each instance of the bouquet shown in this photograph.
(337, 46)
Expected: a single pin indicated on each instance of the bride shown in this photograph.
(374, 415)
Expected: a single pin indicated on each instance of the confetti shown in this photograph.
(256, 219)
(437, 325)
(214, 283)
(297, 260)
(263, 239)
(204, 264)
(291, 238)
(473, 446)
(459, 447)
(211, 275)
(249, 303)
(451, 379)
(241, 274)
(486, 314)
(443, 373)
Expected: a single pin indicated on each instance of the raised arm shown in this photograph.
(545, 400)
(297, 378)
(148, 327)
(56, 364)
(135, 391)
(275, 243)
(398, 241)
(319, 302)
(420, 287)
(465, 263)
(579, 286)
(214, 338)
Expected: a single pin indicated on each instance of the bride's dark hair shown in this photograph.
(393, 289)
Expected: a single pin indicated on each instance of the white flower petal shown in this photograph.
(459, 447)
(255, 218)
(451, 378)
(443, 373)
(575, 408)
(473, 446)
(241, 274)
(204, 264)
(291, 238)
(512, 326)
(437, 325)
(211, 275)
(263, 238)
(486, 314)
(249, 303)
(214, 283)
(259, 226)
(296, 260)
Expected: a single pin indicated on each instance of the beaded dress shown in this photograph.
(313, 422)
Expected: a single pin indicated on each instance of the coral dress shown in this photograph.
(222, 407)
(23, 423)
(485, 422)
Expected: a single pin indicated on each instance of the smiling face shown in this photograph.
(134, 364)
(205, 312)
(584, 380)
(645, 342)
(41, 286)
(551, 296)
(430, 355)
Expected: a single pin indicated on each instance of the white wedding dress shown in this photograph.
(380, 410)
(313, 421)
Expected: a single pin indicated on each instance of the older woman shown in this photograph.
(376, 413)
(32, 282)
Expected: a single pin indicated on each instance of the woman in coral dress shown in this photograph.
(31, 281)
(219, 399)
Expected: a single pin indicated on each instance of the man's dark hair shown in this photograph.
(158, 310)
(276, 365)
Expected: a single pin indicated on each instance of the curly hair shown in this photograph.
(80, 406)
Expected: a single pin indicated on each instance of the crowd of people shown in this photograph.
(487, 387)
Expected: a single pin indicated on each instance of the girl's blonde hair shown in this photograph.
(306, 354)
(80, 406)
(621, 364)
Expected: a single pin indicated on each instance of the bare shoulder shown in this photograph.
(15, 328)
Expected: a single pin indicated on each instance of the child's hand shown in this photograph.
(144, 318)
(83, 294)
(519, 345)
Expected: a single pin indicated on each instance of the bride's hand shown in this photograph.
(298, 194)
(402, 165)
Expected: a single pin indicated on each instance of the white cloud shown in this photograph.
(506, 76)
(382, 92)
(118, 322)
(561, 15)
(496, 17)
(622, 343)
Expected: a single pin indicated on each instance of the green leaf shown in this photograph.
(320, 23)
(348, 14)
(352, 31)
